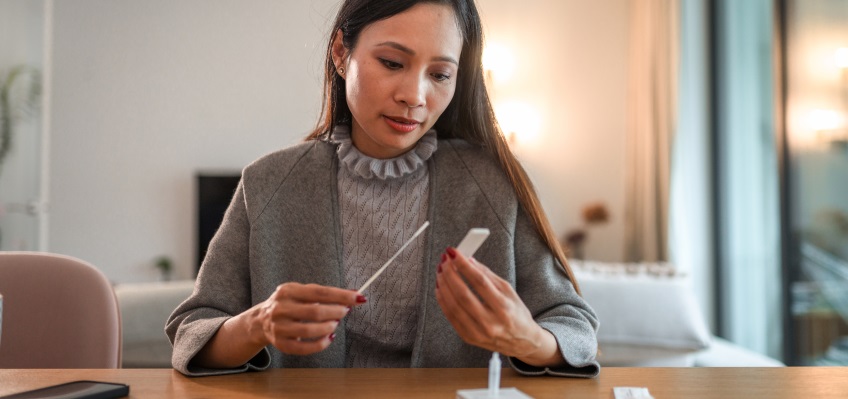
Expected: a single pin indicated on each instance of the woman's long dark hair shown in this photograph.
(469, 115)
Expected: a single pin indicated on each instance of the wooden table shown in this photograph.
(663, 383)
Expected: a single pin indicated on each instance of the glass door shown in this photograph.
(816, 67)
(22, 209)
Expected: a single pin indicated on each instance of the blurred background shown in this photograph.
(709, 134)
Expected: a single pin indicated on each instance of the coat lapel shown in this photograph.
(450, 216)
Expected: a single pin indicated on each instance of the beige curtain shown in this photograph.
(651, 123)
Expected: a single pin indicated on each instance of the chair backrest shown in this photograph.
(58, 312)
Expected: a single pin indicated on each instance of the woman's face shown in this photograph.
(400, 77)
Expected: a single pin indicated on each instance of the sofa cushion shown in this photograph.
(145, 308)
(723, 353)
(648, 313)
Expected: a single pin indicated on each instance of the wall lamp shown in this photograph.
(519, 121)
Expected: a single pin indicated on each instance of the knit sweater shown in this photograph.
(382, 202)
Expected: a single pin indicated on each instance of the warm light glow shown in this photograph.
(824, 119)
(498, 61)
(519, 121)
(841, 57)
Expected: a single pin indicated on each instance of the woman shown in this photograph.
(407, 135)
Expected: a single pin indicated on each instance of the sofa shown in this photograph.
(647, 312)
(145, 308)
(649, 316)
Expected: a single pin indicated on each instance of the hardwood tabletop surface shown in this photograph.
(662, 383)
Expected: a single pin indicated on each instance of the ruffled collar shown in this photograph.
(367, 167)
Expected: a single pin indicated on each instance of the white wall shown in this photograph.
(571, 64)
(147, 93)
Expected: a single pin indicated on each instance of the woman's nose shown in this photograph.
(412, 91)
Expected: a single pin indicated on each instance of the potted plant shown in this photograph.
(20, 94)
(165, 266)
(593, 213)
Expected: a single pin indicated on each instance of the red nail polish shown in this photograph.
(451, 253)
(361, 299)
(439, 269)
(444, 257)
(332, 337)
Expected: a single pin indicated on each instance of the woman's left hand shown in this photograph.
(495, 318)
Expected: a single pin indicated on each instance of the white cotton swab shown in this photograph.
(388, 262)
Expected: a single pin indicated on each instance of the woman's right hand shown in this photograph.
(300, 319)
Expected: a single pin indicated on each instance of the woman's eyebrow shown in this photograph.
(407, 50)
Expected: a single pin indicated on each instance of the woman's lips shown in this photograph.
(401, 124)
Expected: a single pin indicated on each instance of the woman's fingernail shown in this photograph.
(451, 252)
(361, 299)
(332, 337)
(444, 257)
(439, 269)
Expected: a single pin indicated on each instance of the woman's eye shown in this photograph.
(390, 64)
(441, 77)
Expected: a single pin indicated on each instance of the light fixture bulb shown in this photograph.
(498, 61)
(824, 119)
(518, 121)
(841, 57)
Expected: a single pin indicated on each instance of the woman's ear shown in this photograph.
(339, 53)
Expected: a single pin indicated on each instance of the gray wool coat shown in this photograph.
(283, 226)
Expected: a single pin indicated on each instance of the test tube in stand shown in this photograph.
(494, 390)
(495, 375)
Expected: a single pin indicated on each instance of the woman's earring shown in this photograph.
(341, 71)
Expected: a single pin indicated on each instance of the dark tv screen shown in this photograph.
(214, 193)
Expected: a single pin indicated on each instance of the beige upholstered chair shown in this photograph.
(58, 312)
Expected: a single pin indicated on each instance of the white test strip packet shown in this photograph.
(631, 393)
(473, 239)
